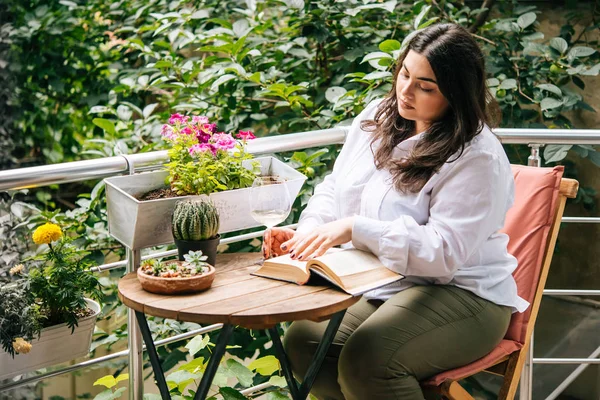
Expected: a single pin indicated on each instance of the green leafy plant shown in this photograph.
(195, 220)
(204, 161)
(19, 319)
(59, 278)
(110, 382)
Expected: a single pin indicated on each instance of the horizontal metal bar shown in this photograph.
(256, 388)
(548, 136)
(104, 167)
(108, 357)
(582, 220)
(569, 379)
(569, 292)
(566, 360)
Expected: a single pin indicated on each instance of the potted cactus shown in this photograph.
(195, 225)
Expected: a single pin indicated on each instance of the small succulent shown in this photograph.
(195, 260)
(195, 220)
(151, 266)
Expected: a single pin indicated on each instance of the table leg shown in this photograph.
(213, 363)
(285, 362)
(159, 375)
(315, 365)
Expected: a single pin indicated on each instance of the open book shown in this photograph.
(354, 271)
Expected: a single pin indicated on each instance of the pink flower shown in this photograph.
(167, 132)
(202, 148)
(210, 128)
(246, 135)
(178, 119)
(202, 136)
(187, 130)
(223, 141)
(199, 120)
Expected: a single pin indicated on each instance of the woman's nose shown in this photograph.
(406, 90)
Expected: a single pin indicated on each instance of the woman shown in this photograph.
(424, 184)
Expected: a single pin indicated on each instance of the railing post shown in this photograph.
(526, 387)
(534, 160)
(134, 338)
(134, 335)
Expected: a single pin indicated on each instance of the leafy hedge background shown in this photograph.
(89, 79)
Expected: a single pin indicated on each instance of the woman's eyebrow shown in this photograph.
(422, 78)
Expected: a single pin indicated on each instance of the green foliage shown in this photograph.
(58, 281)
(109, 382)
(195, 220)
(19, 317)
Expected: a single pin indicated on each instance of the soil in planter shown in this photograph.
(163, 193)
(80, 314)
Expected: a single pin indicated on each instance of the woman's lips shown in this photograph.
(405, 105)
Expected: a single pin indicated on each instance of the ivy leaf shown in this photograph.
(194, 366)
(549, 103)
(278, 381)
(149, 109)
(109, 395)
(222, 79)
(389, 46)
(333, 93)
(276, 395)
(551, 88)
(526, 19)
(580, 51)
(241, 372)
(377, 75)
(231, 394)
(559, 44)
(105, 124)
(197, 343)
(420, 16)
(508, 84)
(556, 152)
(376, 55)
(265, 365)
(107, 381)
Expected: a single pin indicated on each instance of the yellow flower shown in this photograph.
(22, 346)
(17, 269)
(47, 233)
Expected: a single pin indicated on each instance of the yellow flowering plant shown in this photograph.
(51, 292)
(60, 278)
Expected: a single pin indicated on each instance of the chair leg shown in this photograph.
(453, 391)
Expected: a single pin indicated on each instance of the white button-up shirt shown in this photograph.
(447, 233)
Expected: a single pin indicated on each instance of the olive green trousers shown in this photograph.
(383, 349)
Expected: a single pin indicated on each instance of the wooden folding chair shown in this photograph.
(532, 225)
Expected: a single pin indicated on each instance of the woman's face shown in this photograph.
(419, 97)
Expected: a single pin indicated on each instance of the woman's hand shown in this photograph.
(307, 246)
(272, 240)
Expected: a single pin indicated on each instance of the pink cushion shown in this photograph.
(502, 350)
(527, 224)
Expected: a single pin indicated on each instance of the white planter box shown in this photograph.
(138, 224)
(55, 345)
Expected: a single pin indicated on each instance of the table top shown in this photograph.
(238, 298)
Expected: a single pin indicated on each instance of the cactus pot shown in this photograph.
(208, 247)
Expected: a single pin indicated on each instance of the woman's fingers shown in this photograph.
(309, 251)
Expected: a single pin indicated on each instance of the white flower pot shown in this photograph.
(138, 224)
(55, 345)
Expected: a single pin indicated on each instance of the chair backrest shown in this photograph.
(530, 224)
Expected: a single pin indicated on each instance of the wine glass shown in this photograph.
(270, 201)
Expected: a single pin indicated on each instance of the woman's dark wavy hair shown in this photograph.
(459, 68)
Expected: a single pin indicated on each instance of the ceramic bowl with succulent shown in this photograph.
(193, 274)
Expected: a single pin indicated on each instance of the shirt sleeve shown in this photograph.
(467, 205)
(321, 207)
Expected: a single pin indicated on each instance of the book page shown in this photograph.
(349, 261)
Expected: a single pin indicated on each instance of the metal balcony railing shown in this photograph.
(111, 166)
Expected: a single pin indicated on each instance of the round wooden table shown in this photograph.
(238, 298)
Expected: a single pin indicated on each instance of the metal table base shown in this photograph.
(298, 393)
